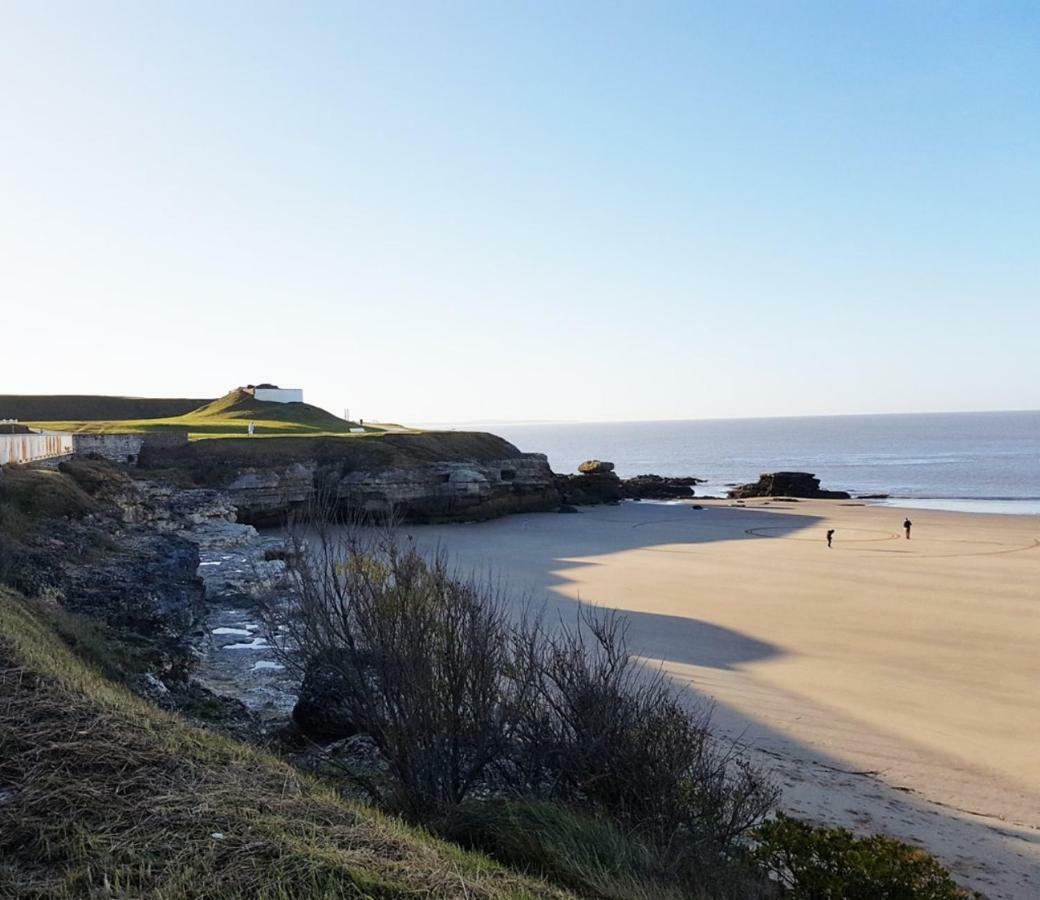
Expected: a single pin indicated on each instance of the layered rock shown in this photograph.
(465, 489)
(786, 484)
(267, 495)
(427, 477)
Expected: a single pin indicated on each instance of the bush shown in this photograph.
(464, 701)
(423, 660)
(817, 863)
(607, 731)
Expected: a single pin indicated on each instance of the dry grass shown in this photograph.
(102, 795)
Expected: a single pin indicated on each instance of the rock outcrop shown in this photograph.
(599, 483)
(589, 489)
(659, 487)
(786, 484)
(429, 477)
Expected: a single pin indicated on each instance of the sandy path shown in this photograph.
(893, 685)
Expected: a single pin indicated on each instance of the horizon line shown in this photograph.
(548, 422)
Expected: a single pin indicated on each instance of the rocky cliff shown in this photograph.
(437, 476)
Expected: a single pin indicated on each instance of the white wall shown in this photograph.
(23, 448)
(279, 395)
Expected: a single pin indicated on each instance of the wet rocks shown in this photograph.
(786, 484)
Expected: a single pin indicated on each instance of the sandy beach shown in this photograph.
(891, 685)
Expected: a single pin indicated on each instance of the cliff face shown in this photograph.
(439, 476)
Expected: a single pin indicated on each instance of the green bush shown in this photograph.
(816, 863)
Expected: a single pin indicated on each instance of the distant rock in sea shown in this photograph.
(598, 483)
(786, 484)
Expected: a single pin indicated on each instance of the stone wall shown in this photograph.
(120, 448)
(126, 448)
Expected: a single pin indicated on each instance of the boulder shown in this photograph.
(595, 467)
(327, 707)
(786, 484)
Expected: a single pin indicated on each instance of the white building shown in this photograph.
(272, 394)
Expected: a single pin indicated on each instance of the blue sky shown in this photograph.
(437, 212)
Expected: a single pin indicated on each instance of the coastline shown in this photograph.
(890, 684)
(972, 506)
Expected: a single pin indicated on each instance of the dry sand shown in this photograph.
(891, 685)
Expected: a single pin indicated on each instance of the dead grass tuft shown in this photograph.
(102, 795)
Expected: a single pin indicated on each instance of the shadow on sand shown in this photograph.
(533, 553)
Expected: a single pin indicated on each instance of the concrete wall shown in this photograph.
(24, 448)
(279, 395)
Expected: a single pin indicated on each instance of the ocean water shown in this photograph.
(978, 462)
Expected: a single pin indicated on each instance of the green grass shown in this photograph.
(228, 416)
(591, 856)
(55, 407)
(105, 796)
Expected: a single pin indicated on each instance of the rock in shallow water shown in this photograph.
(786, 484)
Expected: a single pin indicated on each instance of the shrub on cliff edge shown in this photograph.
(818, 863)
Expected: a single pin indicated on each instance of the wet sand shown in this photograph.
(891, 685)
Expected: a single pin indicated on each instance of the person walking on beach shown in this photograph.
(906, 527)
(830, 536)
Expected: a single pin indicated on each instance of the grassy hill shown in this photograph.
(91, 408)
(104, 795)
(228, 416)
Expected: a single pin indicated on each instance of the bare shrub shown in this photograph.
(458, 695)
(609, 732)
(423, 659)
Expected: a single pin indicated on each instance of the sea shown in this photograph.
(976, 462)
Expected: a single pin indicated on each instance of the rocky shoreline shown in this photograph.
(180, 570)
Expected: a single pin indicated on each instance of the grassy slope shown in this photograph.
(227, 416)
(89, 407)
(102, 794)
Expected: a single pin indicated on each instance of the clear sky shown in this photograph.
(582, 211)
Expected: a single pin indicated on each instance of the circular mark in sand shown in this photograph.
(968, 547)
(858, 535)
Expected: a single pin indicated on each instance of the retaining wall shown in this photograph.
(126, 448)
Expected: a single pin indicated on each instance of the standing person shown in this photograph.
(252, 428)
(906, 527)
(830, 536)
